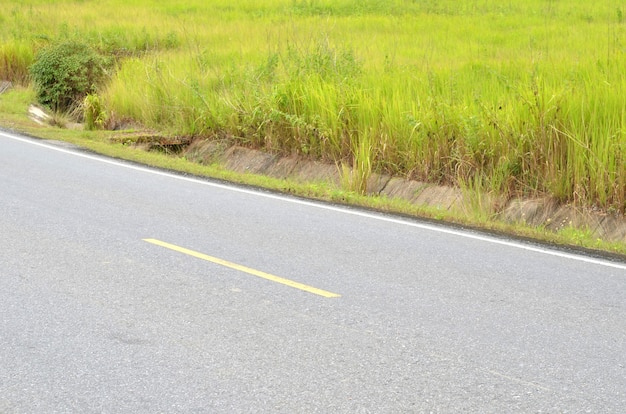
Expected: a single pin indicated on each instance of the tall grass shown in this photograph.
(15, 59)
(515, 98)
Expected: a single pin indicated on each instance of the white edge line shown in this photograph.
(423, 226)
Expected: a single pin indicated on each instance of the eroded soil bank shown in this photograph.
(535, 212)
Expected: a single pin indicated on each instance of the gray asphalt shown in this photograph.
(93, 319)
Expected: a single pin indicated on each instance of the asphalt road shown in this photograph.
(130, 290)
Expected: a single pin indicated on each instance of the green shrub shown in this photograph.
(64, 74)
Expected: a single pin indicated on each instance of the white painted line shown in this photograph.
(338, 209)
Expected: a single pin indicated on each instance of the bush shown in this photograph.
(65, 73)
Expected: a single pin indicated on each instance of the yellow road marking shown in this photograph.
(244, 269)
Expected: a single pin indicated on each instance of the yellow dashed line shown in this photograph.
(244, 269)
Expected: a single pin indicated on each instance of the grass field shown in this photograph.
(508, 98)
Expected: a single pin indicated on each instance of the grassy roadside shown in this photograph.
(13, 115)
(514, 99)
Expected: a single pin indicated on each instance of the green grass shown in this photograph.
(13, 110)
(512, 98)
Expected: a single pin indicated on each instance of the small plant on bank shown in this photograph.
(63, 74)
(95, 115)
(355, 178)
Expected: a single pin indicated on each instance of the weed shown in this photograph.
(354, 177)
(94, 113)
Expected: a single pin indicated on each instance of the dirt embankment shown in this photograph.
(536, 212)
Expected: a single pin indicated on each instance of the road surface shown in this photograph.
(130, 290)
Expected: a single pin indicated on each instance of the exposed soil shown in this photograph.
(5, 86)
(544, 212)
